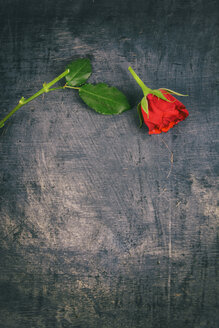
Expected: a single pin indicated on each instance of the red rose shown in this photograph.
(163, 115)
(158, 108)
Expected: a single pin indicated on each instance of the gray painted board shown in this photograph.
(103, 225)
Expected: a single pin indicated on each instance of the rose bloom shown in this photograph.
(163, 115)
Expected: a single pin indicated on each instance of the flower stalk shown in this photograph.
(144, 88)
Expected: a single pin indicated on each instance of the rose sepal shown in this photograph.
(159, 94)
(173, 92)
(140, 115)
(144, 105)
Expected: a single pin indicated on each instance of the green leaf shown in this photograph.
(104, 99)
(80, 70)
(173, 92)
(140, 115)
(159, 94)
(144, 105)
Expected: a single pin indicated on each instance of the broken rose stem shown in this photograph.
(46, 88)
(144, 88)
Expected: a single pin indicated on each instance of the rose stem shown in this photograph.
(46, 88)
(144, 88)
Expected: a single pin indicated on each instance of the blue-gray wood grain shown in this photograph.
(103, 225)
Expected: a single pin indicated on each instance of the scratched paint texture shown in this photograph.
(101, 224)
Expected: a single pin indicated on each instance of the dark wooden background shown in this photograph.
(98, 228)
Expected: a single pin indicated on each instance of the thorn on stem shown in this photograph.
(21, 102)
(45, 87)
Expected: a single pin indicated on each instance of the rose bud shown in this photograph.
(158, 108)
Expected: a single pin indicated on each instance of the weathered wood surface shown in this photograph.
(98, 227)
